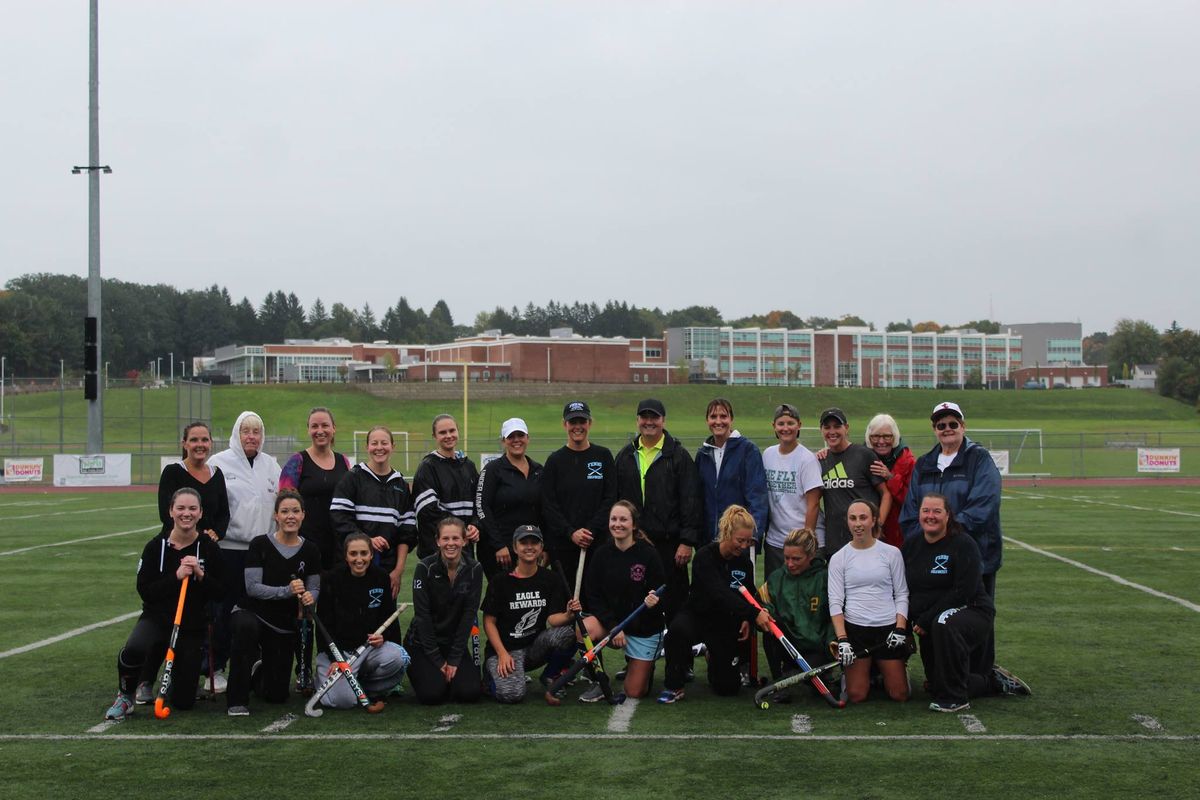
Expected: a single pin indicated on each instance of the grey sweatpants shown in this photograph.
(511, 689)
(377, 670)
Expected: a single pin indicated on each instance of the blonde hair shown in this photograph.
(735, 518)
(805, 539)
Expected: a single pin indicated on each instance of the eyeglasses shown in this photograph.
(952, 425)
(882, 437)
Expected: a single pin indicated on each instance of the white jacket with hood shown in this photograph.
(251, 489)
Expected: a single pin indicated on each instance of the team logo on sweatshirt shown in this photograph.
(836, 478)
(637, 573)
(941, 564)
(376, 596)
(526, 623)
(738, 576)
(595, 471)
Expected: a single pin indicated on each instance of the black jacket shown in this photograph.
(578, 491)
(670, 511)
(504, 499)
(442, 487)
(159, 588)
(443, 615)
(377, 506)
(351, 608)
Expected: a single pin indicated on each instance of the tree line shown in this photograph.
(1175, 351)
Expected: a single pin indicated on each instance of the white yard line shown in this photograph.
(801, 723)
(103, 726)
(446, 723)
(1103, 503)
(77, 541)
(1188, 604)
(54, 502)
(62, 637)
(280, 724)
(622, 715)
(81, 511)
(583, 737)
(971, 723)
(1147, 722)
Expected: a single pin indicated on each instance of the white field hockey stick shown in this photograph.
(310, 708)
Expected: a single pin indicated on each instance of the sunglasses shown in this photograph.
(952, 425)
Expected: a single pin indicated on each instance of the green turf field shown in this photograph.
(1115, 711)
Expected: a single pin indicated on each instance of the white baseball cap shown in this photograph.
(511, 426)
(942, 409)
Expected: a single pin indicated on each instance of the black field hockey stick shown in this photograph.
(836, 702)
(594, 651)
(340, 663)
(598, 675)
(161, 709)
(310, 708)
(760, 697)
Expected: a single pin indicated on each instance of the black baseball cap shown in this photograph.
(527, 532)
(576, 409)
(787, 410)
(833, 413)
(652, 406)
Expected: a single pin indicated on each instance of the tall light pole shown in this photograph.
(3, 364)
(171, 358)
(158, 369)
(92, 390)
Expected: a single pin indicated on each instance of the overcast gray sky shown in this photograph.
(1031, 161)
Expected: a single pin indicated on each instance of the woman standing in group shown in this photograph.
(282, 570)
(444, 486)
(508, 496)
(731, 471)
(447, 587)
(374, 499)
(797, 596)
(193, 472)
(356, 598)
(624, 572)
(167, 560)
(314, 472)
(715, 613)
(895, 466)
(951, 611)
(251, 483)
(794, 487)
(868, 605)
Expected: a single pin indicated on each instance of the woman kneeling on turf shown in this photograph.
(169, 559)
(446, 587)
(715, 613)
(623, 574)
(516, 612)
(356, 598)
(797, 596)
(282, 576)
(951, 611)
(868, 604)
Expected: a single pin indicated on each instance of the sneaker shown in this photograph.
(220, 683)
(144, 693)
(1008, 683)
(593, 694)
(948, 706)
(397, 690)
(238, 711)
(670, 696)
(121, 708)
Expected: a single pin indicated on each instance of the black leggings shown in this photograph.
(149, 640)
(430, 684)
(253, 639)
(688, 629)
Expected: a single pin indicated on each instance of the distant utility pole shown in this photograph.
(93, 392)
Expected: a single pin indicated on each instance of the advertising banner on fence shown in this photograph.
(1000, 459)
(1158, 459)
(23, 470)
(167, 461)
(109, 469)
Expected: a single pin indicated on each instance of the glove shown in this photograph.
(897, 639)
(845, 652)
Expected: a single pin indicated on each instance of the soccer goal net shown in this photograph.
(1021, 444)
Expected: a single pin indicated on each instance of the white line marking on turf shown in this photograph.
(16, 651)
(446, 723)
(82, 511)
(103, 726)
(622, 715)
(971, 723)
(1188, 604)
(64, 500)
(1147, 722)
(77, 541)
(1114, 505)
(280, 724)
(801, 723)
(582, 737)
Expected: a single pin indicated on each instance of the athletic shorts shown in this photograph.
(863, 637)
(643, 648)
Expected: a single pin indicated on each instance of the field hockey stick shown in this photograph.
(597, 675)
(340, 663)
(212, 672)
(161, 709)
(753, 631)
(792, 651)
(594, 651)
(760, 697)
(305, 632)
(310, 708)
